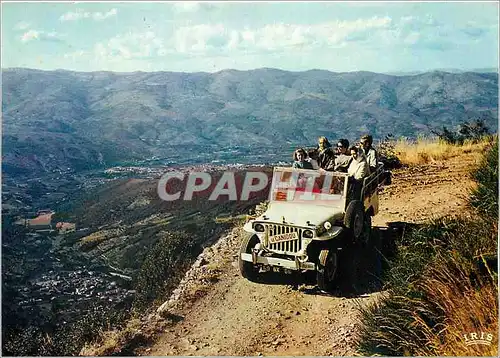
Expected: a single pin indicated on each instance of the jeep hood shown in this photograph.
(300, 214)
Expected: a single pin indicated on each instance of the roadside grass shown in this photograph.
(117, 342)
(428, 150)
(485, 197)
(441, 286)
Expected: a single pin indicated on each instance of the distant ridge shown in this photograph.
(81, 120)
(448, 70)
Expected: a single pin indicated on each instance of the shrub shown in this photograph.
(162, 267)
(485, 196)
(387, 154)
(473, 131)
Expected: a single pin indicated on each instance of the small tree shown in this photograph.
(386, 150)
(472, 131)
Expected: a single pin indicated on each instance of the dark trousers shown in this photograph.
(354, 189)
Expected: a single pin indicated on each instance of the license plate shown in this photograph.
(283, 237)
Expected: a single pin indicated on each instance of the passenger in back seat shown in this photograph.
(357, 171)
(358, 168)
(300, 159)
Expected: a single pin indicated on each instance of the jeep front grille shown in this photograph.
(292, 246)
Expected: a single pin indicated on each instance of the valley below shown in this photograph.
(68, 286)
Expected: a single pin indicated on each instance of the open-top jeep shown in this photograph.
(310, 216)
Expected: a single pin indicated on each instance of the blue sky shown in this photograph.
(211, 36)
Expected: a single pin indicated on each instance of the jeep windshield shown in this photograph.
(308, 187)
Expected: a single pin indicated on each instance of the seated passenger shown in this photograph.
(300, 162)
(358, 169)
(313, 158)
(366, 142)
(325, 154)
(342, 159)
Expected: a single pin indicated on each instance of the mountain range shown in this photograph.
(55, 120)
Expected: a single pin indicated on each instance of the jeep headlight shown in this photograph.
(258, 227)
(307, 234)
(327, 225)
(320, 230)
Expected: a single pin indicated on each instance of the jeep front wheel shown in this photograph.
(327, 269)
(247, 269)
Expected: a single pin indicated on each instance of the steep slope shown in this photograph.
(59, 119)
(219, 313)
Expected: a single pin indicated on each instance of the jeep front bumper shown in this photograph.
(277, 262)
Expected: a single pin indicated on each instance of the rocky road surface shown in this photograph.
(217, 312)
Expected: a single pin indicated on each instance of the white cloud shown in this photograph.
(81, 14)
(273, 37)
(131, 45)
(22, 25)
(75, 55)
(199, 38)
(31, 35)
(102, 16)
(191, 6)
(426, 32)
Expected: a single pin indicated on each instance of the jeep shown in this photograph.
(309, 217)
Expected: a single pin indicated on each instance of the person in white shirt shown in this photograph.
(359, 168)
(357, 171)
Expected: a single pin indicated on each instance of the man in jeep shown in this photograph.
(366, 143)
(325, 154)
(342, 157)
(357, 171)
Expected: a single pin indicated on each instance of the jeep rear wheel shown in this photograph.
(327, 269)
(354, 219)
(247, 269)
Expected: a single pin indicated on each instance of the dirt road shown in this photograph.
(217, 312)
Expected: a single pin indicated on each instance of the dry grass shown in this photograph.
(429, 150)
(469, 305)
(112, 342)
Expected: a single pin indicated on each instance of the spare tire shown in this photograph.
(354, 219)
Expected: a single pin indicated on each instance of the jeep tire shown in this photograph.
(247, 269)
(367, 228)
(354, 220)
(326, 273)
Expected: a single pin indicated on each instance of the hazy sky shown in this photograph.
(211, 36)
